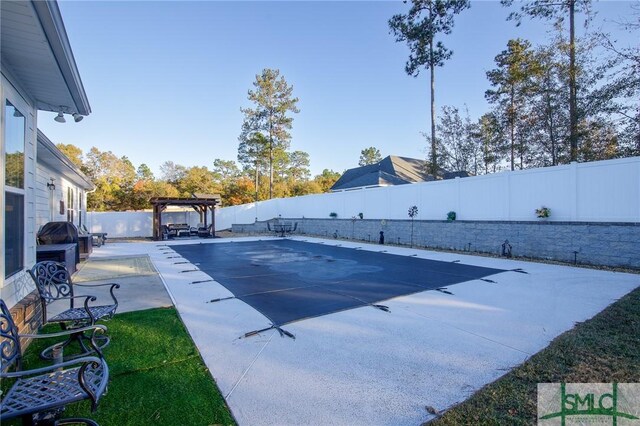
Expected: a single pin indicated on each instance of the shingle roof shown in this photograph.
(391, 170)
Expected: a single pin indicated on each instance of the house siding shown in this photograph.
(45, 212)
(18, 286)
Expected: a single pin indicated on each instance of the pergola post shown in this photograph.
(213, 221)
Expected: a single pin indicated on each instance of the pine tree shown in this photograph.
(513, 83)
(418, 28)
(558, 11)
(369, 155)
(273, 100)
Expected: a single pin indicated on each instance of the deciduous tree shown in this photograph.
(197, 179)
(114, 178)
(624, 83)
(326, 179)
(172, 172)
(72, 152)
(461, 151)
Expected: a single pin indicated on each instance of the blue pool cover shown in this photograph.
(288, 280)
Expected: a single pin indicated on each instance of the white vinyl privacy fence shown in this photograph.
(602, 191)
(134, 224)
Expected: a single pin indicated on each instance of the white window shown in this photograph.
(14, 163)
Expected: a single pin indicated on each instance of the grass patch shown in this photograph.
(156, 374)
(603, 349)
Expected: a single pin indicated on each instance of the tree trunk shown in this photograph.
(270, 157)
(270, 168)
(573, 113)
(552, 136)
(638, 133)
(257, 180)
(521, 148)
(486, 156)
(512, 124)
(434, 155)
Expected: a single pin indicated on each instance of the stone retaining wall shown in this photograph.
(608, 244)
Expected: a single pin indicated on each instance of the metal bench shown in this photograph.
(39, 396)
(54, 284)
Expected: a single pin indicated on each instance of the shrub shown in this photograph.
(543, 212)
(451, 216)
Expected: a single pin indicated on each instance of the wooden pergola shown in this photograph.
(202, 204)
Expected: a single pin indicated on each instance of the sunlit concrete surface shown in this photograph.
(367, 366)
(140, 284)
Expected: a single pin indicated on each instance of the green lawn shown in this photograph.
(603, 349)
(157, 375)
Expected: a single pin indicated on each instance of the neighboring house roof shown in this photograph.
(37, 56)
(391, 170)
(49, 155)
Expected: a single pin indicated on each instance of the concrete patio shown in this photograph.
(365, 366)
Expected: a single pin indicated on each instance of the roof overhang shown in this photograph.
(37, 54)
(52, 157)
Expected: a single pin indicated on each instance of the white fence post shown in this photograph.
(573, 185)
(507, 195)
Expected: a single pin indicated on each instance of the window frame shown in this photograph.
(17, 103)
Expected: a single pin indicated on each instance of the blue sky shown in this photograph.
(166, 79)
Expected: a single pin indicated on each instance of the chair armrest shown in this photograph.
(53, 367)
(97, 285)
(113, 286)
(87, 299)
(88, 296)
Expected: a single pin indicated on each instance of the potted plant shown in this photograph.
(451, 216)
(543, 212)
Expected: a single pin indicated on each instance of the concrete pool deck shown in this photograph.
(367, 366)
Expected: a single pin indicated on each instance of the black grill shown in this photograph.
(60, 233)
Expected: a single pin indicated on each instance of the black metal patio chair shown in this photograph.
(205, 231)
(39, 396)
(54, 285)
